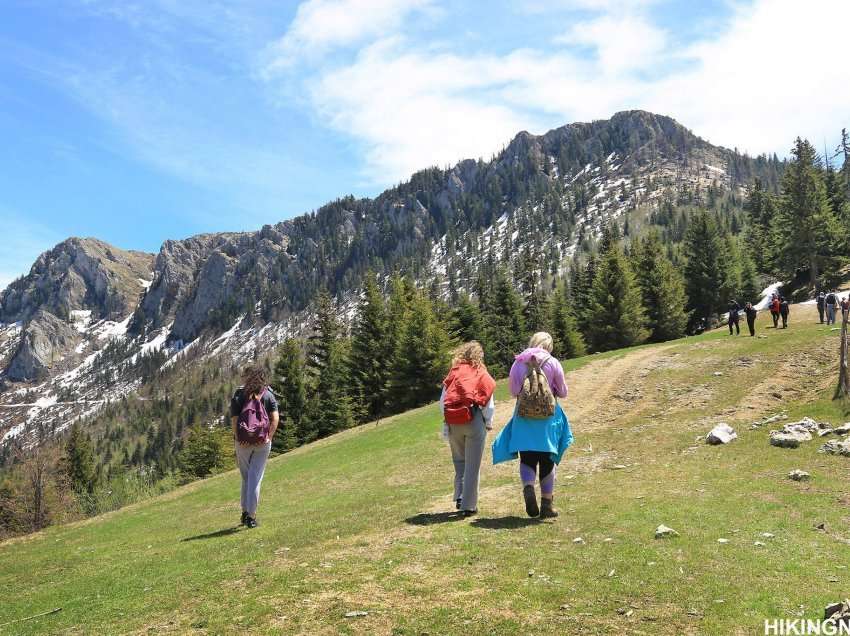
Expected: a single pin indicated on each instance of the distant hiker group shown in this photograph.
(829, 304)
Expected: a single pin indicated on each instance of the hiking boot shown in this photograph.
(457, 504)
(530, 497)
(469, 513)
(244, 518)
(251, 522)
(546, 509)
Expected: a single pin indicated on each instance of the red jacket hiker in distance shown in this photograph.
(466, 386)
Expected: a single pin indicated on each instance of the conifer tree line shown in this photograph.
(631, 290)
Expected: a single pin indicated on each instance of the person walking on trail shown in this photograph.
(539, 431)
(821, 302)
(734, 315)
(254, 418)
(468, 406)
(784, 310)
(751, 313)
(774, 310)
(845, 307)
(831, 303)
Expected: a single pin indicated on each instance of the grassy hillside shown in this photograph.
(359, 521)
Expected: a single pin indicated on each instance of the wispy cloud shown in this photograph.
(320, 26)
(414, 103)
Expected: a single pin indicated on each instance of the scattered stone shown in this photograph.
(824, 432)
(799, 475)
(356, 614)
(836, 447)
(608, 539)
(759, 544)
(839, 613)
(717, 374)
(578, 540)
(663, 532)
(787, 440)
(820, 526)
(768, 535)
(611, 573)
(565, 606)
(844, 429)
(723, 540)
(619, 466)
(771, 420)
(530, 573)
(721, 434)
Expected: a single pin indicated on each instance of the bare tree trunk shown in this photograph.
(843, 374)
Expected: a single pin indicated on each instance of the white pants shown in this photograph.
(252, 464)
(467, 443)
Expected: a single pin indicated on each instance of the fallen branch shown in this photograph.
(29, 618)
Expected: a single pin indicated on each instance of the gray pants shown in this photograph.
(830, 314)
(252, 465)
(467, 443)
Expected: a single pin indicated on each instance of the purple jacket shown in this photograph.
(551, 368)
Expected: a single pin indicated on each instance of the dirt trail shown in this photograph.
(602, 391)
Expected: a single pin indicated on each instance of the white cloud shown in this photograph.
(320, 26)
(622, 42)
(777, 69)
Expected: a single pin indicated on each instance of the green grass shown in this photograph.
(354, 523)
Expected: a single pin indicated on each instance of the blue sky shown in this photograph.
(138, 121)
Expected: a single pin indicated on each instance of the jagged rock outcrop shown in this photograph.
(76, 275)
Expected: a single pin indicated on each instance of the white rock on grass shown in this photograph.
(836, 447)
(721, 434)
(799, 475)
(663, 532)
(788, 440)
(723, 540)
(844, 429)
(356, 614)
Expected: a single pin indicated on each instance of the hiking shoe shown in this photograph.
(530, 501)
(469, 513)
(546, 509)
(457, 504)
(244, 518)
(251, 522)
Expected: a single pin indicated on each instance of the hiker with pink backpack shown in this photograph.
(539, 431)
(254, 418)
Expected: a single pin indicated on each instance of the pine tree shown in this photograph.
(617, 316)
(806, 228)
(202, 452)
(569, 342)
(289, 385)
(330, 409)
(79, 462)
(537, 311)
(761, 209)
(422, 357)
(505, 327)
(466, 323)
(662, 290)
(706, 268)
(369, 368)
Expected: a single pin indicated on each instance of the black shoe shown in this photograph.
(244, 518)
(546, 509)
(251, 522)
(530, 501)
(457, 504)
(469, 513)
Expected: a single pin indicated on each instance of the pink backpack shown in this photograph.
(253, 425)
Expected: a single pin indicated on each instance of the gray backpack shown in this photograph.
(535, 401)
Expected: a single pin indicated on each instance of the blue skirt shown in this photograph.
(551, 436)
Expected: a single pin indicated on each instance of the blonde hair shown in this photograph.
(542, 340)
(469, 353)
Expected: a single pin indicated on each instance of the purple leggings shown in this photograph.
(528, 463)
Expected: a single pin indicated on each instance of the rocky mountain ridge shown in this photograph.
(90, 321)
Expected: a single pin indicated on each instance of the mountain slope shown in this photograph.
(358, 522)
(68, 343)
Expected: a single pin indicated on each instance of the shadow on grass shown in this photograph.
(430, 518)
(214, 535)
(505, 523)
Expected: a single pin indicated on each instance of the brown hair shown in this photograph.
(469, 353)
(253, 380)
